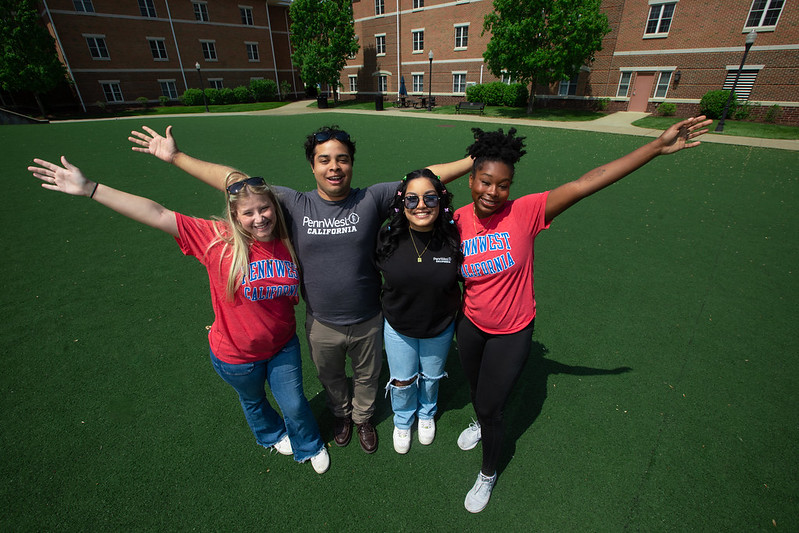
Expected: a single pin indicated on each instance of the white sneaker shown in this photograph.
(470, 436)
(321, 461)
(427, 431)
(477, 498)
(283, 446)
(402, 440)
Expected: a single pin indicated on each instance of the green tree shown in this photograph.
(543, 41)
(29, 61)
(323, 36)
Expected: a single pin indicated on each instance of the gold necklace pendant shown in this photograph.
(413, 241)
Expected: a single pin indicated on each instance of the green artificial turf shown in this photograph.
(660, 394)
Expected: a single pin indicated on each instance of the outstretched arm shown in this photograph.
(149, 141)
(452, 171)
(674, 139)
(70, 180)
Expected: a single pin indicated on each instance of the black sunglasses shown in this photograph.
(430, 200)
(236, 188)
(324, 136)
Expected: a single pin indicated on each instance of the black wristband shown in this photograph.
(94, 190)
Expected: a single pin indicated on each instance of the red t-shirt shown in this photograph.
(259, 321)
(498, 263)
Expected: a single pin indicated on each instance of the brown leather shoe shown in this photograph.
(367, 436)
(342, 430)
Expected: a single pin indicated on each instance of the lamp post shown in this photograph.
(750, 40)
(430, 84)
(202, 87)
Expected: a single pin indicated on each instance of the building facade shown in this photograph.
(117, 51)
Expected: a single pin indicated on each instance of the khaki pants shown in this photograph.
(329, 346)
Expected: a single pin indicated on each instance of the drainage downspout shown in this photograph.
(398, 51)
(177, 47)
(272, 46)
(64, 55)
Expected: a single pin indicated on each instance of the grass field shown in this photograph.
(660, 395)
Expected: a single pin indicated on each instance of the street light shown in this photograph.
(750, 40)
(202, 87)
(430, 84)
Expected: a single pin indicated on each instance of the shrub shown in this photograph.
(713, 102)
(102, 105)
(227, 96)
(213, 96)
(515, 95)
(772, 113)
(142, 101)
(192, 97)
(602, 103)
(488, 93)
(667, 109)
(474, 93)
(164, 100)
(742, 111)
(263, 90)
(285, 89)
(242, 94)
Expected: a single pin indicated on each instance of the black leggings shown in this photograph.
(492, 364)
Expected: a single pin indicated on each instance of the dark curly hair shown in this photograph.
(328, 132)
(444, 230)
(496, 146)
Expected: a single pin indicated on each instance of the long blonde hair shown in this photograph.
(235, 240)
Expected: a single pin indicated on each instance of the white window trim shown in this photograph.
(659, 35)
(207, 14)
(455, 27)
(163, 40)
(416, 74)
(417, 30)
(415, 8)
(351, 77)
(257, 49)
(216, 53)
(211, 82)
(459, 73)
(385, 45)
(119, 85)
(88, 36)
(173, 81)
(772, 27)
(252, 15)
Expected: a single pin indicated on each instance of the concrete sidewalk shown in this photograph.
(620, 123)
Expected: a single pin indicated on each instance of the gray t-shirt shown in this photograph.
(335, 244)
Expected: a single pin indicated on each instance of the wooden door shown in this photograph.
(641, 91)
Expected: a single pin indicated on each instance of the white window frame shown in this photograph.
(112, 87)
(506, 78)
(158, 48)
(83, 6)
(169, 89)
(628, 74)
(417, 37)
(380, 7)
(417, 82)
(418, 4)
(462, 40)
(147, 9)
(768, 7)
(253, 55)
(661, 6)
(663, 83)
(201, 11)
(382, 83)
(246, 15)
(98, 48)
(569, 87)
(457, 78)
(353, 83)
(216, 83)
(209, 50)
(380, 44)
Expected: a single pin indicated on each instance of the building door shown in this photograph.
(641, 91)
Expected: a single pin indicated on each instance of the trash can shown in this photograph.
(321, 101)
(379, 102)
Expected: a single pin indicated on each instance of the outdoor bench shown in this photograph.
(470, 106)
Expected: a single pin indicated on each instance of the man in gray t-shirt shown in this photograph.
(333, 229)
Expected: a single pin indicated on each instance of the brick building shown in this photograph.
(657, 51)
(119, 50)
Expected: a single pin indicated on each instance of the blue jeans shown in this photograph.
(283, 372)
(423, 359)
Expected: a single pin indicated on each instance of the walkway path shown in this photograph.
(620, 122)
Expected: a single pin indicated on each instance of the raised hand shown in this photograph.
(151, 142)
(67, 178)
(682, 134)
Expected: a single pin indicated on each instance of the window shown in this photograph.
(382, 83)
(246, 15)
(201, 11)
(659, 20)
(462, 36)
(147, 8)
(158, 49)
(97, 47)
(418, 83)
(83, 6)
(112, 91)
(418, 4)
(216, 83)
(506, 78)
(380, 7)
(663, 84)
(624, 84)
(252, 52)
(169, 89)
(746, 81)
(418, 40)
(209, 50)
(353, 84)
(380, 44)
(458, 82)
(568, 87)
(764, 13)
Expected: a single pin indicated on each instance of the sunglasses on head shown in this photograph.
(236, 188)
(324, 136)
(412, 201)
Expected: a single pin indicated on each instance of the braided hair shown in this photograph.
(444, 230)
(496, 146)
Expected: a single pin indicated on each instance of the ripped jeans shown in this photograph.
(421, 360)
